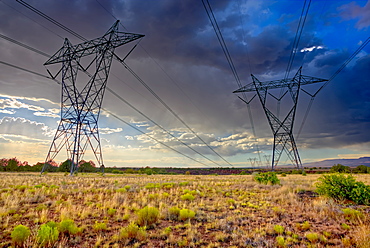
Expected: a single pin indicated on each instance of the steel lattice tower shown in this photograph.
(282, 128)
(80, 109)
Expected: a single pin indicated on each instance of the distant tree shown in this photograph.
(65, 166)
(13, 165)
(37, 167)
(362, 169)
(340, 168)
(130, 171)
(87, 166)
(3, 164)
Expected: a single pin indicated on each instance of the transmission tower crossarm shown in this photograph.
(282, 83)
(111, 38)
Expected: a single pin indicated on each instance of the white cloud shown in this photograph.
(12, 127)
(9, 103)
(107, 130)
(46, 114)
(15, 104)
(230, 145)
(10, 112)
(34, 99)
(14, 138)
(310, 49)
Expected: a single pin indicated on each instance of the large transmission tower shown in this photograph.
(81, 105)
(282, 128)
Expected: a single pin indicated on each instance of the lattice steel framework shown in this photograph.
(80, 109)
(282, 128)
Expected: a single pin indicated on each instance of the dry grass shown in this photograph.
(231, 211)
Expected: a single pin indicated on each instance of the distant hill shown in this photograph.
(346, 162)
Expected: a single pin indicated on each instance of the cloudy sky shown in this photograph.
(181, 60)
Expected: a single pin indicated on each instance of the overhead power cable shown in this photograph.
(156, 96)
(24, 45)
(51, 20)
(132, 126)
(167, 76)
(160, 142)
(297, 37)
(128, 68)
(110, 90)
(221, 40)
(169, 109)
(32, 19)
(155, 123)
(348, 60)
(29, 71)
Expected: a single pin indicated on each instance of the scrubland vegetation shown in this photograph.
(129, 210)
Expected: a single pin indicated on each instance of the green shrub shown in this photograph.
(133, 231)
(362, 169)
(147, 216)
(68, 226)
(343, 187)
(173, 213)
(266, 178)
(340, 168)
(183, 184)
(152, 185)
(186, 214)
(100, 226)
(279, 229)
(111, 211)
(305, 225)
(187, 197)
(352, 214)
(312, 237)
(121, 190)
(47, 235)
(167, 185)
(345, 226)
(20, 234)
(280, 241)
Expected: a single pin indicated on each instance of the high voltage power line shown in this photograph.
(130, 70)
(221, 40)
(298, 34)
(237, 78)
(156, 96)
(112, 92)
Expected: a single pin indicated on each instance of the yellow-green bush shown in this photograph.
(147, 216)
(20, 234)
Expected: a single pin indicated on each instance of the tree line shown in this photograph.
(13, 164)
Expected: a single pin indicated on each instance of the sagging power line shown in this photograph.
(130, 70)
(221, 40)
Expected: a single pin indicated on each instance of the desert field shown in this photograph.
(95, 210)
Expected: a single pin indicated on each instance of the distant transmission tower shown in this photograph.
(282, 128)
(80, 109)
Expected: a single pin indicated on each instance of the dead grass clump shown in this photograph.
(361, 236)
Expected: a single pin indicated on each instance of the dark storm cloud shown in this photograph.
(179, 36)
(354, 11)
(341, 113)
